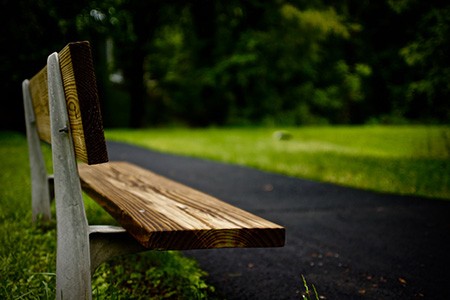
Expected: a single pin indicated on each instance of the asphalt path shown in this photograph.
(349, 243)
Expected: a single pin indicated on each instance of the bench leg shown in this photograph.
(107, 242)
(73, 276)
(40, 193)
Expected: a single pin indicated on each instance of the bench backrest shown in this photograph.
(82, 103)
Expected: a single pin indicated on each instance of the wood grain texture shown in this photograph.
(39, 95)
(82, 101)
(163, 214)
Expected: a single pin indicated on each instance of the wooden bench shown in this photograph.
(156, 213)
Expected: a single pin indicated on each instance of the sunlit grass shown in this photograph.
(413, 160)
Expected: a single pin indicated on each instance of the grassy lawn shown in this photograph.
(409, 160)
(28, 252)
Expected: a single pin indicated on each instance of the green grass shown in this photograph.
(407, 160)
(28, 252)
(309, 293)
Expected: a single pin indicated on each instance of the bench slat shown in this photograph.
(82, 103)
(163, 214)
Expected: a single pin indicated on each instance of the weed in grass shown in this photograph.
(151, 275)
(309, 293)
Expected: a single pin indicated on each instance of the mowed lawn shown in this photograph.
(409, 160)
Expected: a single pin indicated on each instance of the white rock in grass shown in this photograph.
(282, 135)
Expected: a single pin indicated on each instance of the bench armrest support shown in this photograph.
(107, 242)
(40, 193)
(73, 276)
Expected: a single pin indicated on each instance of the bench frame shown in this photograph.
(89, 246)
(81, 247)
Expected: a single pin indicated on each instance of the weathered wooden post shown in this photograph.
(73, 258)
(40, 193)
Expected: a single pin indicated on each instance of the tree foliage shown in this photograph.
(428, 56)
(282, 62)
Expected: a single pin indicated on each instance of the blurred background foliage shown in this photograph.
(234, 63)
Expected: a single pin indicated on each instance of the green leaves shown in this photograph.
(427, 56)
(316, 22)
(157, 275)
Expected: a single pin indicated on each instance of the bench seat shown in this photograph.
(163, 214)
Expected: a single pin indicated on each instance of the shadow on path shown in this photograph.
(351, 244)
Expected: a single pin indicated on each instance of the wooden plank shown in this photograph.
(39, 95)
(82, 101)
(163, 214)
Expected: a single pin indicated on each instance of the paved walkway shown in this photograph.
(350, 244)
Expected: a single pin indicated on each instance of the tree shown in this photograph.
(31, 30)
(131, 25)
(427, 55)
(252, 62)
